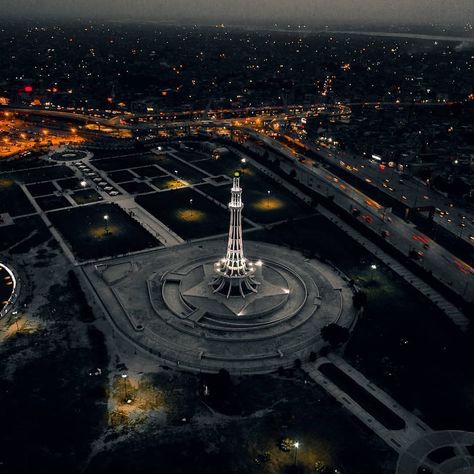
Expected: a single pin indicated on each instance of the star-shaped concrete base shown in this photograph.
(272, 292)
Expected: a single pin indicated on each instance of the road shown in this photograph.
(408, 191)
(447, 268)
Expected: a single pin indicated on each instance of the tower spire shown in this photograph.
(234, 274)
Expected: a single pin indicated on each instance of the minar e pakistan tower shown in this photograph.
(234, 274)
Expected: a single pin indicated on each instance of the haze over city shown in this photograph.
(310, 12)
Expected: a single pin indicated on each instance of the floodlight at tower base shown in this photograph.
(234, 275)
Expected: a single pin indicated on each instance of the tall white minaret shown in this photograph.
(234, 274)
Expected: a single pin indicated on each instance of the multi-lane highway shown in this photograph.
(432, 257)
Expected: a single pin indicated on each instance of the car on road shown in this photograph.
(415, 254)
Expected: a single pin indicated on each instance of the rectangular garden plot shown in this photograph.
(91, 236)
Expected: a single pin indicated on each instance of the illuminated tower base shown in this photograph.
(234, 275)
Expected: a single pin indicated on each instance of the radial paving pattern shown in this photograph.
(170, 310)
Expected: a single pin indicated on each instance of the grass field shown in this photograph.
(134, 187)
(121, 176)
(402, 340)
(41, 189)
(85, 230)
(30, 229)
(49, 203)
(86, 196)
(148, 172)
(12, 199)
(265, 202)
(69, 183)
(184, 172)
(131, 161)
(48, 173)
(329, 437)
(190, 220)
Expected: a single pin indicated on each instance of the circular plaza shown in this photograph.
(169, 310)
(202, 308)
(68, 155)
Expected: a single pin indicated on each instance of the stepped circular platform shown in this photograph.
(162, 303)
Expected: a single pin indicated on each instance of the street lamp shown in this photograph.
(296, 445)
(268, 198)
(125, 394)
(373, 266)
(83, 183)
(192, 209)
(106, 218)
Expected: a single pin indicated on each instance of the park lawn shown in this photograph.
(49, 203)
(31, 228)
(191, 156)
(201, 218)
(329, 436)
(85, 231)
(121, 176)
(168, 182)
(131, 161)
(32, 161)
(12, 199)
(264, 201)
(47, 173)
(402, 339)
(184, 172)
(41, 189)
(148, 171)
(134, 187)
(69, 183)
(227, 164)
(86, 196)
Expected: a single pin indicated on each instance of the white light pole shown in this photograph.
(106, 218)
(296, 445)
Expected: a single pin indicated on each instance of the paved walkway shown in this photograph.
(397, 439)
(166, 236)
(50, 226)
(456, 460)
(419, 447)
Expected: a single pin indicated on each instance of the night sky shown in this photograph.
(247, 11)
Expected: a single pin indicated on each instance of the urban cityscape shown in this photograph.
(237, 238)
